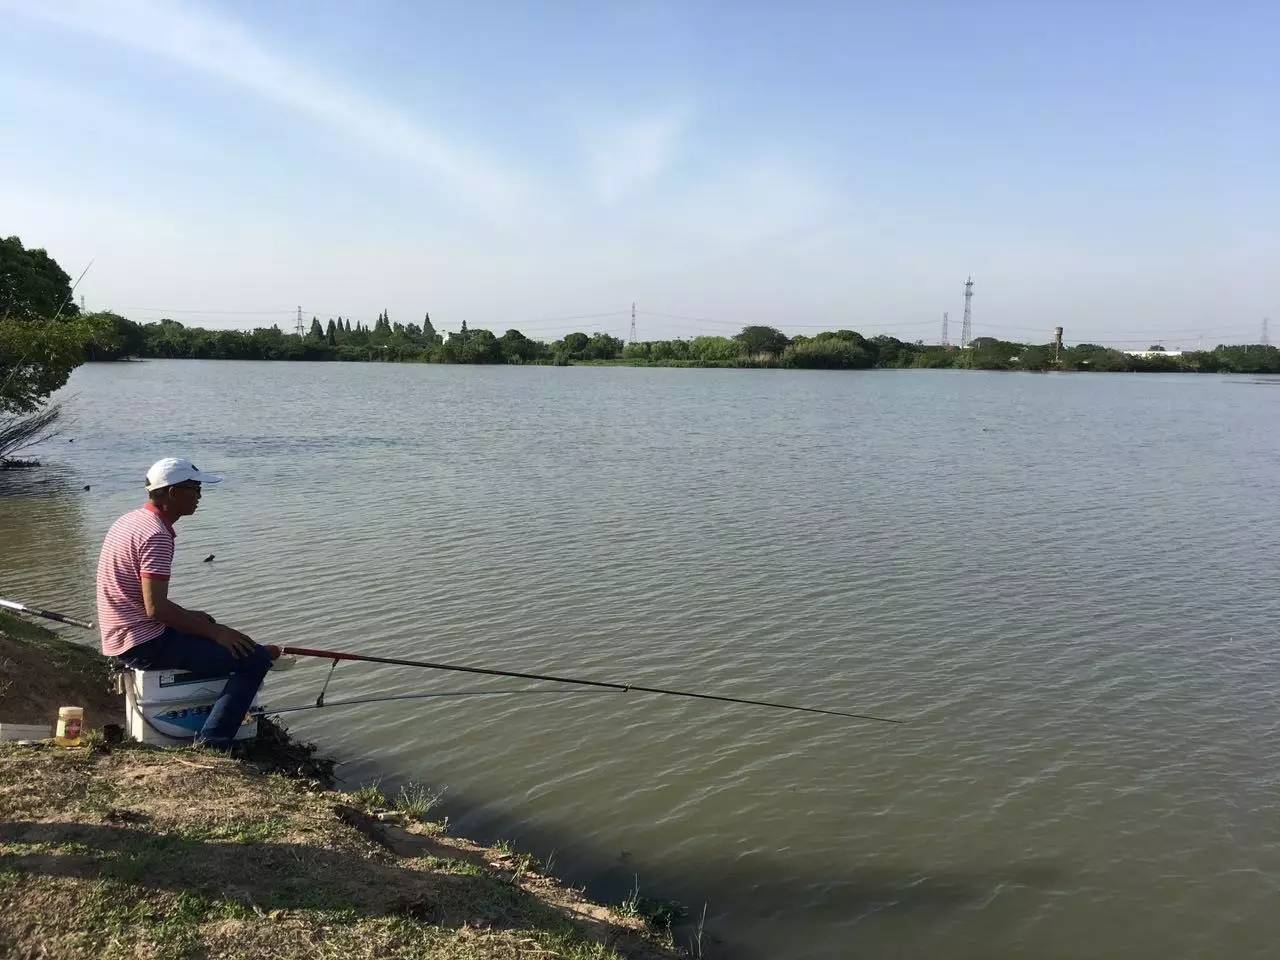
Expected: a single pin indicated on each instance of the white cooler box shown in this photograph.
(168, 707)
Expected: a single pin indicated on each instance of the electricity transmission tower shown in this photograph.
(298, 328)
(966, 330)
(944, 329)
(632, 338)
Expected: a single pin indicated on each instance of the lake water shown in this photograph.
(1065, 583)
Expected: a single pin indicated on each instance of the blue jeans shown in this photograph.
(175, 650)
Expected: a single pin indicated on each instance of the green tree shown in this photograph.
(114, 337)
(892, 352)
(428, 330)
(1038, 356)
(668, 351)
(36, 358)
(471, 346)
(42, 339)
(574, 345)
(1091, 356)
(934, 358)
(715, 350)
(517, 348)
(316, 332)
(827, 353)
(331, 334)
(638, 350)
(601, 346)
(989, 353)
(32, 285)
(760, 339)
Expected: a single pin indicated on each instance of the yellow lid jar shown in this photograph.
(70, 721)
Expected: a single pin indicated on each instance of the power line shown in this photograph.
(793, 326)
(677, 316)
(244, 313)
(583, 316)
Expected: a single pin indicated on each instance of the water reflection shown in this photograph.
(46, 553)
(1086, 770)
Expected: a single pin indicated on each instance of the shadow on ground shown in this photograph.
(265, 876)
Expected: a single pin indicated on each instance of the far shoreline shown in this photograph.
(687, 365)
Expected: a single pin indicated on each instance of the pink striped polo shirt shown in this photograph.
(138, 545)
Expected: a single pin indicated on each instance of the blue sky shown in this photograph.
(1109, 167)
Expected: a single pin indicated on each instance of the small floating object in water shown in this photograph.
(208, 558)
(86, 486)
(72, 440)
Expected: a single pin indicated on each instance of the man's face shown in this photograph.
(184, 497)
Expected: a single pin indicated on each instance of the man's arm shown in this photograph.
(155, 596)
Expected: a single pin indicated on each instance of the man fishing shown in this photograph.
(145, 629)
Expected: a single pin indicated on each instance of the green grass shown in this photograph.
(371, 797)
(417, 800)
(25, 630)
(115, 922)
(63, 656)
(256, 869)
(258, 830)
(656, 914)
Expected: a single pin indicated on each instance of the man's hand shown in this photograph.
(233, 640)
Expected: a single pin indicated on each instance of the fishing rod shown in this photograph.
(337, 655)
(47, 614)
(273, 711)
(603, 685)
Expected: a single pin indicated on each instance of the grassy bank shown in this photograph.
(127, 851)
(39, 672)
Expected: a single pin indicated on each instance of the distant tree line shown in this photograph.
(43, 337)
(754, 346)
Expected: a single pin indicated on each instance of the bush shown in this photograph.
(715, 350)
(827, 353)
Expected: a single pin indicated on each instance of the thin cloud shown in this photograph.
(203, 41)
(623, 157)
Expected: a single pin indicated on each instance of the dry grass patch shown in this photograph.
(168, 854)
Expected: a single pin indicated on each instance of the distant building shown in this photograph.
(1155, 353)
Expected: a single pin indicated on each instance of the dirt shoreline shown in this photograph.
(127, 851)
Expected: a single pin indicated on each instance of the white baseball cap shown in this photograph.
(171, 470)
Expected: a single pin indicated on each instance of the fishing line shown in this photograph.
(336, 655)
